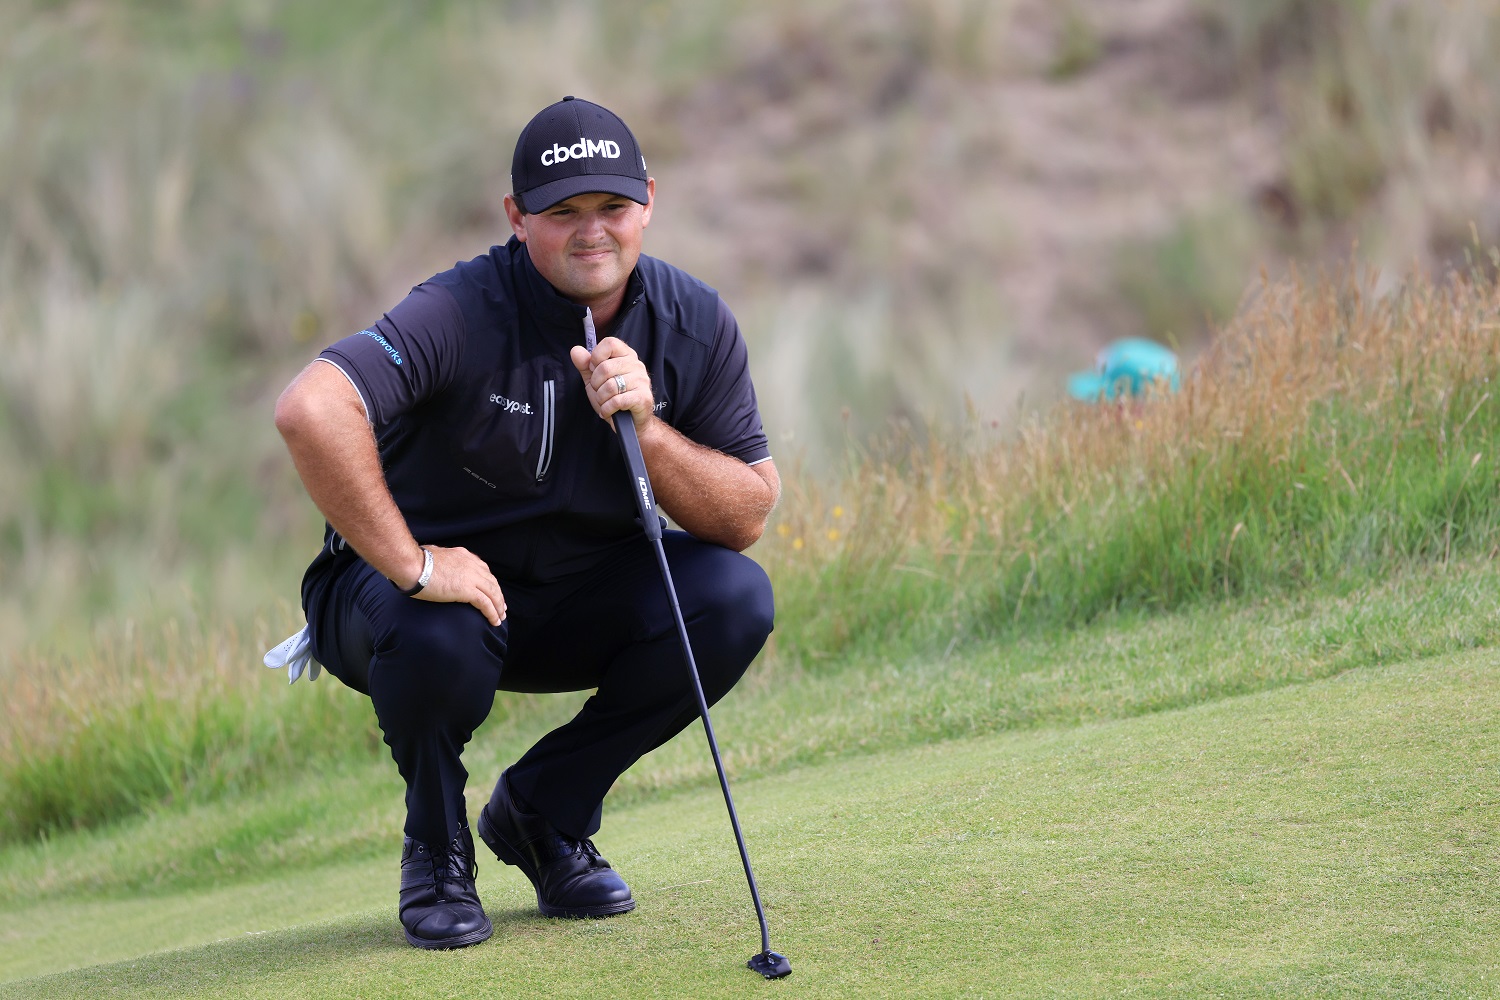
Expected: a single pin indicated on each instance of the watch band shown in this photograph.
(422, 580)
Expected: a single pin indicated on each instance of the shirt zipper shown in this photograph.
(549, 408)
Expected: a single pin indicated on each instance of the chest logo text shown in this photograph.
(511, 405)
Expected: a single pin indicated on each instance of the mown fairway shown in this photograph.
(1331, 838)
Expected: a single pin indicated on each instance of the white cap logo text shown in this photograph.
(581, 149)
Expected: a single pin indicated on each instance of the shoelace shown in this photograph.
(441, 866)
(587, 847)
(564, 846)
(443, 877)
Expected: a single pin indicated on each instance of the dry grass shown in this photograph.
(172, 714)
(192, 202)
(189, 207)
(1329, 432)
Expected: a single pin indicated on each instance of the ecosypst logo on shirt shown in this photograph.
(511, 405)
(394, 354)
(583, 149)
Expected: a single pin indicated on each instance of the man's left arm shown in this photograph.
(713, 496)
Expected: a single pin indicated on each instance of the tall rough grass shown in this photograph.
(194, 197)
(192, 201)
(174, 715)
(1329, 435)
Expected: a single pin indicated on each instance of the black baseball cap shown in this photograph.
(575, 147)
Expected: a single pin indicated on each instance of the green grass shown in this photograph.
(1334, 437)
(1330, 435)
(293, 812)
(194, 201)
(1335, 838)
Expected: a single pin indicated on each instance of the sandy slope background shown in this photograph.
(918, 208)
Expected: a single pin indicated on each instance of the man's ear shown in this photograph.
(650, 201)
(517, 218)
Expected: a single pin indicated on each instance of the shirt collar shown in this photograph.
(550, 309)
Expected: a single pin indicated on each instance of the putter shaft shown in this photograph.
(768, 963)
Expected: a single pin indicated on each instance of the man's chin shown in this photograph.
(592, 285)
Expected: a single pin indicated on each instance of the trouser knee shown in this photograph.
(437, 667)
(733, 613)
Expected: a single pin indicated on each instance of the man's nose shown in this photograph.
(591, 226)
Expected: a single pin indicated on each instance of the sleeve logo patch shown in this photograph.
(390, 351)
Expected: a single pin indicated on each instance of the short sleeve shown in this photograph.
(724, 414)
(408, 357)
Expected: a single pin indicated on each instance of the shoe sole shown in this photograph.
(462, 941)
(514, 858)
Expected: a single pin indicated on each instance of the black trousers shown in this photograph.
(432, 670)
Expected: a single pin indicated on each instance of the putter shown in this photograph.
(768, 963)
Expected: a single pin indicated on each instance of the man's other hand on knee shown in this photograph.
(461, 577)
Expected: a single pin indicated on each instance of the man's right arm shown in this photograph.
(322, 419)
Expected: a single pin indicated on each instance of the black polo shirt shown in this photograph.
(483, 425)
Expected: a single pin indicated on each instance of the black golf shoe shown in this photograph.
(439, 905)
(570, 877)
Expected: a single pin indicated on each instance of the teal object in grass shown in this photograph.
(1126, 367)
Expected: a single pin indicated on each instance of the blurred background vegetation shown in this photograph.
(923, 211)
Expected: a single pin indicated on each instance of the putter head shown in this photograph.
(770, 965)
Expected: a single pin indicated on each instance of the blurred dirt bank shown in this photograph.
(914, 206)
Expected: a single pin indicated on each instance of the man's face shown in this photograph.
(585, 246)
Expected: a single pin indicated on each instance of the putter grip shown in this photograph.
(640, 483)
